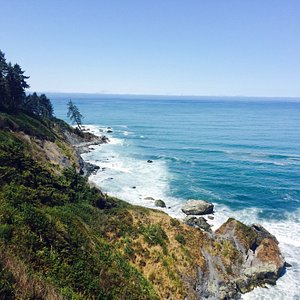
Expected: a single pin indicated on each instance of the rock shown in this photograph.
(149, 198)
(257, 259)
(210, 217)
(86, 169)
(287, 265)
(159, 203)
(262, 233)
(133, 187)
(149, 161)
(197, 207)
(109, 131)
(104, 139)
(202, 223)
(267, 263)
(197, 222)
(190, 220)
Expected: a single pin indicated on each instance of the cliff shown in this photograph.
(62, 239)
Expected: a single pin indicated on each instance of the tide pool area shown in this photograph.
(243, 155)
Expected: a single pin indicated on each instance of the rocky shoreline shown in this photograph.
(238, 257)
(83, 144)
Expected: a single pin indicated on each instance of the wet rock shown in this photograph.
(197, 207)
(149, 161)
(133, 187)
(109, 131)
(202, 223)
(287, 265)
(149, 198)
(210, 217)
(190, 220)
(197, 222)
(86, 169)
(159, 203)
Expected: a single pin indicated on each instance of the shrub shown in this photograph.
(155, 235)
(180, 239)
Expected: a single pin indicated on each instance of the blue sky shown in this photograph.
(212, 47)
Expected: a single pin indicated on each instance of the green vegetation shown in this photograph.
(47, 223)
(180, 239)
(34, 126)
(12, 92)
(155, 235)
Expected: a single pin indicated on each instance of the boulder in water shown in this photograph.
(197, 207)
(159, 203)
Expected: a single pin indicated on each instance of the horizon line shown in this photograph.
(162, 95)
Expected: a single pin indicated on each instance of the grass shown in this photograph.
(33, 126)
(47, 224)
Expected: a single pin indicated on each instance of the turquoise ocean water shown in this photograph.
(241, 154)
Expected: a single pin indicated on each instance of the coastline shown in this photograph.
(220, 215)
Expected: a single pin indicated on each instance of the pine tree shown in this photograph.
(16, 84)
(3, 73)
(39, 105)
(74, 114)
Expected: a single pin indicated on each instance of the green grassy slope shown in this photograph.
(46, 237)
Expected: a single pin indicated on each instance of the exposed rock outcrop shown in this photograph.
(238, 259)
(82, 142)
(197, 222)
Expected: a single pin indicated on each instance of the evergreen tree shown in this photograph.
(12, 92)
(74, 114)
(46, 106)
(32, 103)
(3, 73)
(39, 105)
(16, 83)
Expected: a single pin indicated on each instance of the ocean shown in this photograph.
(242, 154)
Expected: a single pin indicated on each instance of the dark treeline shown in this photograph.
(13, 97)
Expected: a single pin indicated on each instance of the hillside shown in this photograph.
(62, 239)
